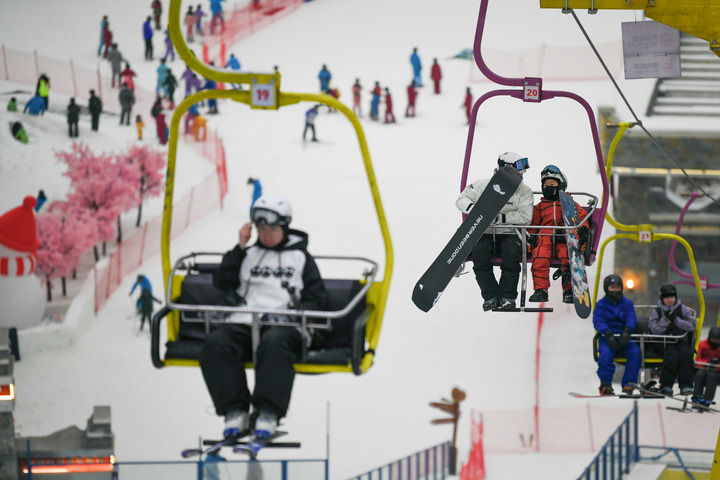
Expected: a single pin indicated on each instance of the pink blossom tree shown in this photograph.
(64, 234)
(151, 164)
(102, 185)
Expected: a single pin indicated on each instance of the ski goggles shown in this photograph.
(550, 169)
(268, 217)
(521, 164)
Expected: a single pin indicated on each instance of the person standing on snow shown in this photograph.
(356, 91)
(95, 107)
(127, 99)
(211, 85)
(103, 22)
(12, 105)
(199, 14)
(115, 58)
(126, 76)
(234, 64)
(229, 346)
(417, 67)
(548, 243)
(146, 307)
(217, 15)
(42, 89)
(310, 116)
(671, 317)
(157, 11)
(144, 283)
(412, 95)
(467, 104)
(503, 241)
(615, 315)
(389, 115)
(375, 103)
(139, 126)
(169, 48)
(162, 71)
(189, 24)
(147, 36)
(324, 76)
(107, 38)
(170, 84)
(436, 75)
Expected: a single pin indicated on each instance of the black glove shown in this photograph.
(671, 315)
(624, 337)
(611, 340)
(532, 240)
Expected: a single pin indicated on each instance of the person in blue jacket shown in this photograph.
(147, 36)
(257, 191)
(234, 64)
(310, 116)
(162, 72)
(417, 67)
(35, 106)
(614, 319)
(217, 15)
(375, 104)
(211, 85)
(144, 284)
(41, 199)
(324, 76)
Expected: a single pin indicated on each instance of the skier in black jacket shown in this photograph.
(276, 272)
(73, 116)
(95, 106)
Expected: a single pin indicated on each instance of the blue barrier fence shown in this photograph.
(618, 453)
(429, 464)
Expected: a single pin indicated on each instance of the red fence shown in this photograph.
(240, 23)
(145, 242)
(474, 469)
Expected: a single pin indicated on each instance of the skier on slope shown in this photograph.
(672, 317)
(614, 314)
(356, 91)
(297, 283)
(324, 77)
(547, 242)
(436, 75)
(144, 284)
(517, 211)
(416, 67)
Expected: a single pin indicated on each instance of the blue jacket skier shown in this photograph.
(417, 67)
(614, 314)
(324, 76)
(162, 71)
(147, 36)
(144, 284)
(35, 106)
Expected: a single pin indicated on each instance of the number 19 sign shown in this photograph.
(263, 95)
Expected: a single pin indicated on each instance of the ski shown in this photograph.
(253, 446)
(432, 283)
(215, 445)
(614, 395)
(582, 395)
(678, 398)
(578, 274)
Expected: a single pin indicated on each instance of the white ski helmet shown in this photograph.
(271, 210)
(512, 159)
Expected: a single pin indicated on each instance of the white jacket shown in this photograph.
(517, 211)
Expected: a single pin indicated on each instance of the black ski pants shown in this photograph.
(73, 129)
(125, 116)
(148, 49)
(222, 363)
(707, 380)
(677, 363)
(509, 248)
(94, 121)
(311, 127)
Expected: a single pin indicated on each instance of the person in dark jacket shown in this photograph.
(146, 307)
(212, 102)
(157, 11)
(170, 84)
(73, 117)
(276, 272)
(19, 133)
(671, 317)
(127, 100)
(35, 106)
(615, 320)
(147, 36)
(95, 107)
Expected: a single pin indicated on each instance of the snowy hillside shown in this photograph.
(383, 415)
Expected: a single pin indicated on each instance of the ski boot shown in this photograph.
(491, 303)
(507, 304)
(667, 391)
(568, 296)
(628, 390)
(236, 421)
(540, 295)
(606, 389)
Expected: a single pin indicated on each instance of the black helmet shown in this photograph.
(668, 290)
(612, 279)
(714, 334)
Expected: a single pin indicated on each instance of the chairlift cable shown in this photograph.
(637, 119)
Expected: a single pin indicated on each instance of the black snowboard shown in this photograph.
(499, 189)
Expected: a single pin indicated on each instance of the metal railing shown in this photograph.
(429, 464)
(618, 454)
(215, 470)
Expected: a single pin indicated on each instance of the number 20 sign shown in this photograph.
(263, 95)
(532, 89)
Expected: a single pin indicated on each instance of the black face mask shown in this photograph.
(615, 296)
(551, 193)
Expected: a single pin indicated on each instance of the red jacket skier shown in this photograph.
(547, 240)
(126, 76)
(389, 116)
(707, 376)
(436, 75)
(467, 104)
(107, 38)
(161, 128)
(356, 90)
(412, 95)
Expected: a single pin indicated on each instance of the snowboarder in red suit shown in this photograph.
(389, 116)
(436, 75)
(161, 128)
(467, 104)
(412, 95)
(547, 241)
